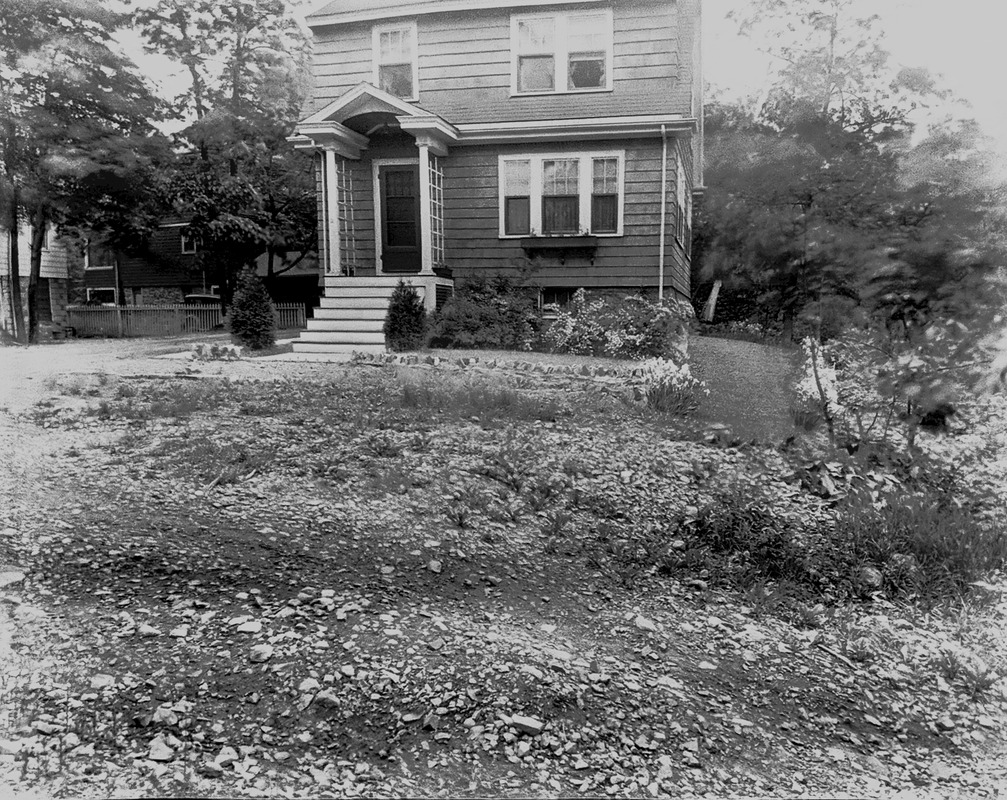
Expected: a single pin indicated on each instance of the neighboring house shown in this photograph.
(52, 283)
(166, 269)
(453, 137)
(161, 272)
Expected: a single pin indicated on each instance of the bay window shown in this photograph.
(569, 52)
(561, 195)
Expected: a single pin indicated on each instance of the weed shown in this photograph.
(383, 445)
(478, 399)
(125, 390)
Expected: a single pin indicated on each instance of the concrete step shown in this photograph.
(383, 281)
(350, 313)
(359, 291)
(316, 347)
(354, 325)
(342, 337)
(362, 303)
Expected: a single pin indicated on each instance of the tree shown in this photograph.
(245, 191)
(71, 109)
(251, 320)
(406, 321)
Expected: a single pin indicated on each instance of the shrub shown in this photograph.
(406, 321)
(631, 327)
(921, 547)
(497, 313)
(252, 319)
(670, 388)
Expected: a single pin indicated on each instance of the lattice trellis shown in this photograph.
(346, 219)
(436, 178)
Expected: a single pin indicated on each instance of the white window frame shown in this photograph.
(561, 55)
(193, 245)
(112, 289)
(376, 31)
(585, 185)
(680, 195)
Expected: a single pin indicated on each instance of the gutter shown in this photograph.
(664, 213)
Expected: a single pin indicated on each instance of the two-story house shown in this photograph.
(52, 283)
(458, 136)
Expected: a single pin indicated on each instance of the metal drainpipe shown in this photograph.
(664, 212)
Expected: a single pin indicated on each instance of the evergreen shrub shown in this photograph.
(406, 321)
(494, 313)
(252, 318)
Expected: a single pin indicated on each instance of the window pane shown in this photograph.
(587, 71)
(516, 177)
(560, 176)
(396, 79)
(517, 215)
(536, 73)
(586, 32)
(536, 35)
(606, 176)
(604, 213)
(395, 46)
(560, 215)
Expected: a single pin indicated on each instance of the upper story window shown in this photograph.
(561, 195)
(395, 59)
(188, 245)
(569, 52)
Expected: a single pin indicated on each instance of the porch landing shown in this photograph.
(351, 315)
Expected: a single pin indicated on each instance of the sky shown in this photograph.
(961, 41)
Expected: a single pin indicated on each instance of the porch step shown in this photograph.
(362, 303)
(342, 337)
(315, 347)
(348, 311)
(359, 324)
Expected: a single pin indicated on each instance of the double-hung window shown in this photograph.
(395, 59)
(561, 195)
(570, 52)
(188, 244)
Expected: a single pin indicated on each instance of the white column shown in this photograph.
(334, 251)
(426, 234)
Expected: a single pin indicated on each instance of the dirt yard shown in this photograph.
(277, 578)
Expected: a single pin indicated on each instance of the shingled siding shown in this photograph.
(630, 260)
(465, 66)
(161, 264)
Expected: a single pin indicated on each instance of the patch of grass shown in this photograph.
(482, 400)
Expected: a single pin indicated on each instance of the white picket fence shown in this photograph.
(169, 320)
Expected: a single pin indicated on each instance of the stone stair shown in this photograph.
(352, 312)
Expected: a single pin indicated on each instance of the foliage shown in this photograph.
(252, 319)
(484, 400)
(633, 327)
(406, 321)
(74, 125)
(670, 388)
(495, 313)
(244, 190)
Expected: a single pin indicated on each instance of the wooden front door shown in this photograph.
(400, 218)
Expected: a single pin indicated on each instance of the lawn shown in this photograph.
(401, 581)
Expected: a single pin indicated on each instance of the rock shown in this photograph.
(10, 747)
(180, 632)
(10, 577)
(528, 725)
(644, 624)
(44, 727)
(327, 698)
(165, 715)
(148, 630)
(707, 665)
(308, 685)
(227, 755)
(25, 613)
(870, 577)
(210, 769)
(100, 681)
(252, 626)
(260, 653)
(347, 670)
(946, 723)
(159, 751)
(535, 672)
(436, 644)
(434, 566)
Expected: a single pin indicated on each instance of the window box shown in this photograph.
(560, 246)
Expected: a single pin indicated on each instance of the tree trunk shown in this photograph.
(710, 309)
(17, 304)
(38, 231)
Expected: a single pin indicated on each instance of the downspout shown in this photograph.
(664, 212)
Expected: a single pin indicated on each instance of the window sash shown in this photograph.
(394, 55)
(562, 194)
(567, 52)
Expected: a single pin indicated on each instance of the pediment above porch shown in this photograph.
(346, 124)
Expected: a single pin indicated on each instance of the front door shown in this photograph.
(400, 218)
